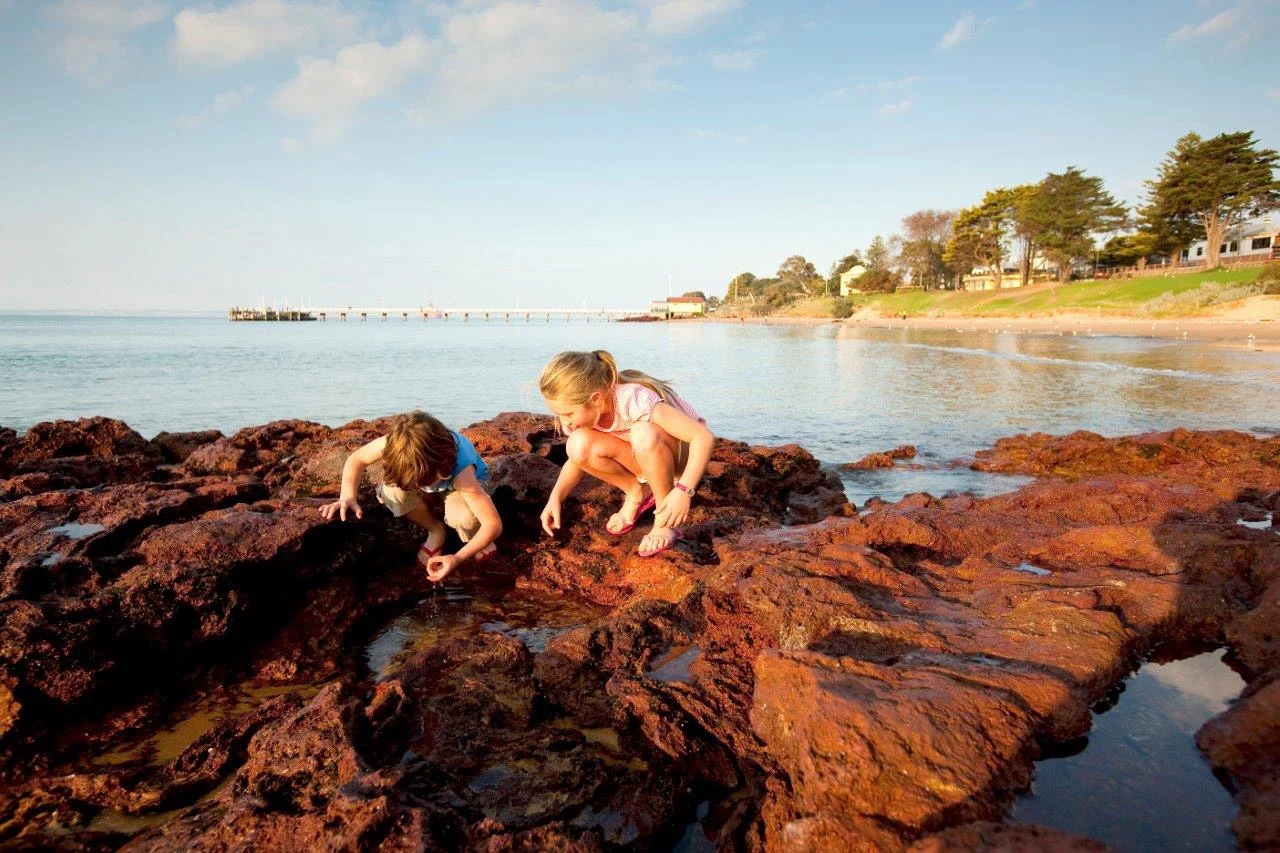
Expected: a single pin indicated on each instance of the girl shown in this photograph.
(627, 429)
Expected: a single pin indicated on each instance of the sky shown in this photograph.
(167, 154)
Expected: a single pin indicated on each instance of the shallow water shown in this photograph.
(1138, 781)
(451, 613)
(840, 391)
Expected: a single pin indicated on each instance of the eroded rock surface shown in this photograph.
(816, 679)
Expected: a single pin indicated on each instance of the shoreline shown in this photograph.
(1207, 329)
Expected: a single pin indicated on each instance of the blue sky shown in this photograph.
(193, 155)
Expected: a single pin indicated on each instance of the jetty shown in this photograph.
(266, 314)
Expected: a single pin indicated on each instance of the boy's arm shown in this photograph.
(680, 426)
(353, 469)
(481, 505)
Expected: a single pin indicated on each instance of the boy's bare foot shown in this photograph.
(625, 518)
(657, 540)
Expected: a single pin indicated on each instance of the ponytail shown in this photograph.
(575, 376)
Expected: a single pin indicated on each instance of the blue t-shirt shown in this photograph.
(466, 455)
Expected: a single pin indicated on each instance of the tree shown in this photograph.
(796, 272)
(1064, 213)
(877, 254)
(1024, 242)
(1206, 187)
(920, 247)
(1126, 250)
(740, 283)
(979, 234)
(878, 280)
(698, 293)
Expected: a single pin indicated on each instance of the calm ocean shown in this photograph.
(841, 392)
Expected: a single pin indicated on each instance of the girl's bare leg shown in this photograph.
(609, 458)
(655, 451)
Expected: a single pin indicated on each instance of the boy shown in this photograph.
(420, 454)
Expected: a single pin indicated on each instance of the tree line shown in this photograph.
(1201, 191)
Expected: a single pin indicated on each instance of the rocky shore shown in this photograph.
(794, 676)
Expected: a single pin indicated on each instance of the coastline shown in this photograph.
(1208, 329)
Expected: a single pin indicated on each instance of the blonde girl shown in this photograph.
(634, 433)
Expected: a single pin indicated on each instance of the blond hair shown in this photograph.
(419, 452)
(574, 376)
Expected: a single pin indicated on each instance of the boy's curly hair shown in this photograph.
(420, 451)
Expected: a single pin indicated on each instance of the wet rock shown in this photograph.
(1005, 838)
(1245, 742)
(886, 459)
(97, 438)
(177, 446)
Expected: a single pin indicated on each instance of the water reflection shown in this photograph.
(1141, 783)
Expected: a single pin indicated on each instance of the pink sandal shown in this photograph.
(425, 553)
(649, 504)
(667, 547)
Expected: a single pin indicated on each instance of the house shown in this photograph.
(847, 277)
(984, 279)
(678, 306)
(1252, 240)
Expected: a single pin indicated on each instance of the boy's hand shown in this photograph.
(551, 517)
(439, 567)
(340, 508)
(673, 511)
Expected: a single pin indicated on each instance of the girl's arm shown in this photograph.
(674, 508)
(678, 425)
(352, 473)
(570, 476)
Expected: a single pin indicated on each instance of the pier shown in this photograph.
(528, 315)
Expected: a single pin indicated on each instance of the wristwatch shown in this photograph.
(682, 487)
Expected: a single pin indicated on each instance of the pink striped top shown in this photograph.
(633, 403)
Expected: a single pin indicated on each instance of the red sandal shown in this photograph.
(649, 504)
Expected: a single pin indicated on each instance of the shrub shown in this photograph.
(1269, 281)
(841, 307)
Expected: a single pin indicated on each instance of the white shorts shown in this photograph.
(456, 512)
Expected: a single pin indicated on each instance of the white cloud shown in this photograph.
(703, 134)
(900, 108)
(964, 29)
(515, 51)
(330, 91)
(254, 28)
(291, 145)
(93, 34)
(737, 60)
(1220, 23)
(224, 102)
(1026, 4)
(678, 17)
(1274, 94)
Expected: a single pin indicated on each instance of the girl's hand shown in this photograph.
(439, 567)
(673, 511)
(551, 517)
(340, 508)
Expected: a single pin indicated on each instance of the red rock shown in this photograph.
(100, 438)
(177, 446)
(882, 460)
(1005, 838)
(1245, 742)
(512, 433)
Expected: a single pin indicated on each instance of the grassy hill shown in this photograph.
(1153, 296)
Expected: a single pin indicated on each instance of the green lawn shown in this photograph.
(1105, 297)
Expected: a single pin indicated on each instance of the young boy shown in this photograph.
(420, 454)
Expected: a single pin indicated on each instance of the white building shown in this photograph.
(847, 277)
(1253, 239)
